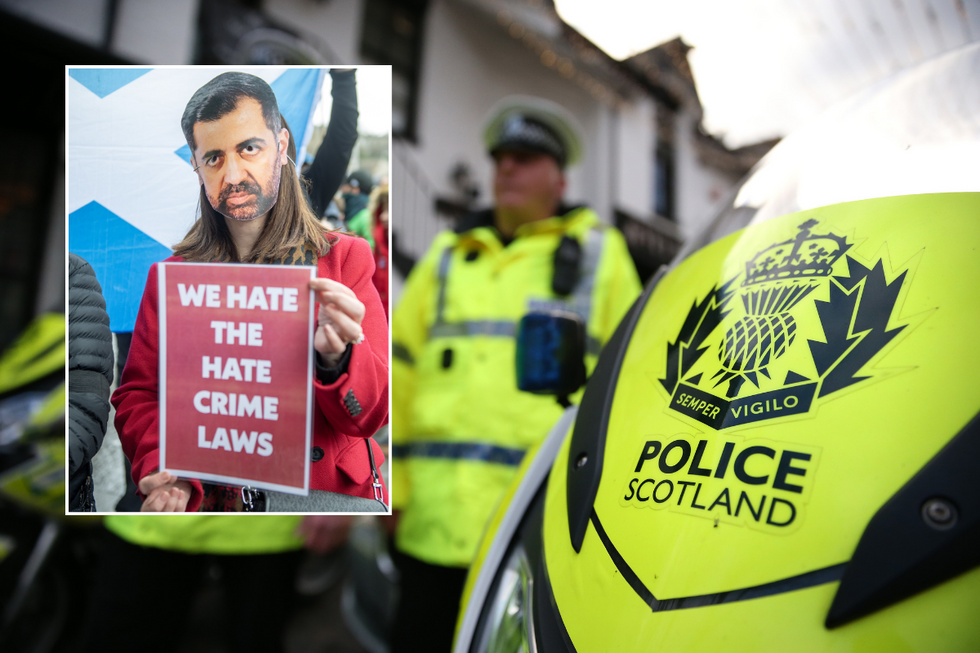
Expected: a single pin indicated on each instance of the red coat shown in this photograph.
(381, 262)
(345, 466)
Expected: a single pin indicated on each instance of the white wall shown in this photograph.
(699, 190)
(635, 161)
(599, 167)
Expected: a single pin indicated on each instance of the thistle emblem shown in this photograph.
(776, 280)
(854, 321)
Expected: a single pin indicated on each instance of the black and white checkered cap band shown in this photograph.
(521, 132)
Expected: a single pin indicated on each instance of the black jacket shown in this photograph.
(330, 163)
(89, 378)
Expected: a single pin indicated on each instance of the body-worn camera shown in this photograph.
(551, 352)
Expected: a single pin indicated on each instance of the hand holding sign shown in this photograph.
(164, 493)
(338, 320)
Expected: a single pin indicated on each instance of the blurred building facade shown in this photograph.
(32, 176)
(649, 166)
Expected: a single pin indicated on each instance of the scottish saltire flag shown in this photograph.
(132, 192)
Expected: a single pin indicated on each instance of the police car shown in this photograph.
(778, 449)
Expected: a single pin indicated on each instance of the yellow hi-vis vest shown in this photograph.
(37, 352)
(218, 534)
(460, 426)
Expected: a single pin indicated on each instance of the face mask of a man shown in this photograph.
(240, 162)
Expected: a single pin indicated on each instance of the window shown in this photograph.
(663, 168)
(393, 35)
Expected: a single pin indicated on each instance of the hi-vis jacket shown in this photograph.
(460, 426)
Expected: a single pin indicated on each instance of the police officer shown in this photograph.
(460, 425)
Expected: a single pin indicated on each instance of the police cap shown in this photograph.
(533, 124)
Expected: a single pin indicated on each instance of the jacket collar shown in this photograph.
(566, 215)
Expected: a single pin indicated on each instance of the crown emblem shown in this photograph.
(776, 279)
(805, 256)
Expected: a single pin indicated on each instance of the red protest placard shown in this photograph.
(236, 363)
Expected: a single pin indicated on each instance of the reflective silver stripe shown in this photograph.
(581, 299)
(491, 328)
(400, 351)
(474, 328)
(489, 453)
(443, 275)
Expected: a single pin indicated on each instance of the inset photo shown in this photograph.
(228, 289)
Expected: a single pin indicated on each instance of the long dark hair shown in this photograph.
(290, 224)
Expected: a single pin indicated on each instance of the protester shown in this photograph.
(357, 191)
(253, 211)
(378, 210)
(461, 426)
(326, 173)
(89, 377)
(257, 557)
(333, 217)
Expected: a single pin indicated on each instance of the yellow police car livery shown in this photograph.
(795, 326)
(778, 448)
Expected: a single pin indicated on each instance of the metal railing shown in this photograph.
(414, 220)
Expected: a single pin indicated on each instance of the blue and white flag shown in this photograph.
(132, 193)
